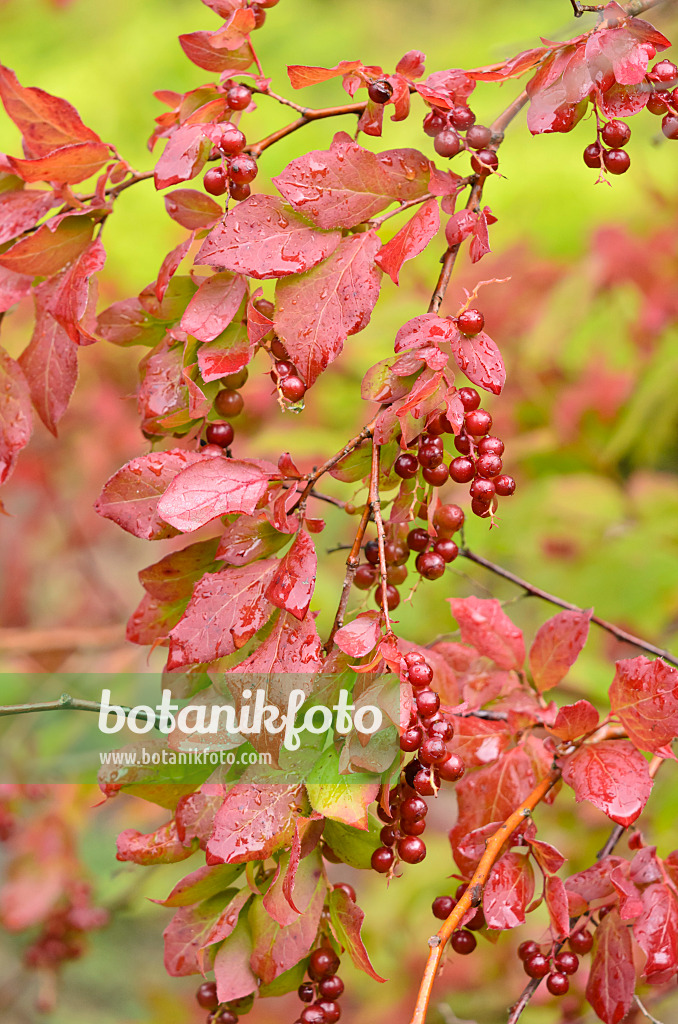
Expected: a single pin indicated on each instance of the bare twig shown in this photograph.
(313, 477)
(645, 1012)
(352, 563)
(375, 507)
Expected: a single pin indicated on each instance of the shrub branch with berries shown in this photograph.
(258, 914)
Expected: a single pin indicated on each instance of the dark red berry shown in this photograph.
(396, 552)
(411, 849)
(428, 703)
(386, 816)
(406, 466)
(413, 828)
(656, 103)
(332, 987)
(306, 992)
(482, 489)
(615, 134)
(420, 673)
(322, 962)
(462, 469)
(484, 161)
(239, 192)
(234, 381)
(365, 577)
(229, 404)
(418, 539)
(206, 996)
(392, 597)
(480, 508)
(389, 835)
(442, 907)
(557, 984)
(664, 71)
(462, 118)
(489, 465)
(243, 169)
(283, 368)
(451, 769)
(504, 486)
(434, 122)
(527, 948)
(380, 91)
(433, 751)
(447, 143)
(463, 942)
(478, 422)
(448, 519)
(215, 181)
(219, 433)
(438, 424)
(477, 921)
(446, 548)
(670, 126)
(238, 97)
(491, 446)
(462, 443)
(229, 140)
(396, 574)
(436, 476)
(471, 322)
(478, 136)
(581, 942)
(259, 19)
(267, 309)
(414, 658)
(225, 1016)
(567, 963)
(312, 1015)
(616, 161)
(425, 783)
(411, 739)
(537, 965)
(460, 890)
(443, 728)
(413, 809)
(430, 565)
(345, 887)
(430, 455)
(293, 388)
(372, 551)
(469, 398)
(331, 1010)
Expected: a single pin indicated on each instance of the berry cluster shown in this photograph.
(228, 404)
(613, 135)
(284, 373)
(237, 168)
(63, 934)
(463, 941)
(555, 966)
(206, 997)
(324, 987)
(456, 130)
(664, 100)
(428, 733)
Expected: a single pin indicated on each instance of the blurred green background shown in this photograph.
(587, 325)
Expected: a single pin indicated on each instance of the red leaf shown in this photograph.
(13, 288)
(213, 487)
(130, 497)
(612, 980)
(480, 359)
(49, 249)
(197, 47)
(74, 294)
(185, 933)
(45, 121)
(67, 165)
(613, 776)
(160, 847)
(557, 646)
(291, 646)
(480, 243)
(234, 33)
(412, 65)
(359, 637)
(263, 238)
(152, 620)
(485, 626)
(174, 576)
(22, 209)
(574, 720)
(656, 932)
(346, 920)
(193, 210)
(229, 352)
(170, 265)
(292, 585)
(258, 325)
(200, 885)
(249, 538)
(446, 89)
(227, 921)
(232, 969)
(15, 413)
(508, 891)
(513, 68)
(644, 695)
(213, 306)
(594, 883)
(253, 822)
(301, 76)
(50, 363)
(478, 741)
(346, 185)
(557, 906)
(227, 608)
(318, 310)
(410, 240)
(549, 859)
(184, 156)
(428, 329)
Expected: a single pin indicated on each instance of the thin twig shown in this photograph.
(313, 477)
(534, 591)
(352, 563)
(375, 507)
(257, 148)
(646, 1012)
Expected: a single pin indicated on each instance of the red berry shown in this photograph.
(306, 992)
(372, 551)
(414, 658)
(380, 91)
(411, 739)
(430, 565)
(617, 161)
(427, 702)
(469, 398)
(229, 140)
(448, 519)
(434, 122)
(331, 1010)
(527, 948)
(219, 433)
(433, 751)
(480, 508)
(215, 181)
(657, 103)
(412, 849)
(537, 965)
(426, 784)
(482, 489)
(442, 907)
(413, 808)
(243, 169)
(489, 465)
(451, 769)
(437, 475)
(430, 455)
(557, 984)
(234, 381)
(462, 118)
(382, 859)
(389, 835)
(206, 996)
(396, 552)
(293, 388)
(478, 422)
(491, 446)
(443, 728)
(238, 97)
(462, 470)
(592, 155)
(412, 828)
(471, 322)
(346, 888)
(670, 126)
(418, 539)
(331, 987)
(567, 963)
(460, 890)
(396, 574)
(447, 549)
(259, 19)
(229, 404)
(322, 962)
(392, 597)
(225, 1016)
(283, 368)
(478, 136)
(406, 466)
(504, 486)
(581, 941)
(664, 71)
(438, 424)
(365, 577)
(267, 309)
(420, 673)
(615, 134)
(477, 921)
(463, 942)
(447, 143)
(484, 161)
(312, 1015)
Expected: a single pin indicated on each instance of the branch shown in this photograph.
(64, 703)
(375, 508)
(533, 591)
(313, 477)
(645, 1012)
(352, 563)
(257, 148)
